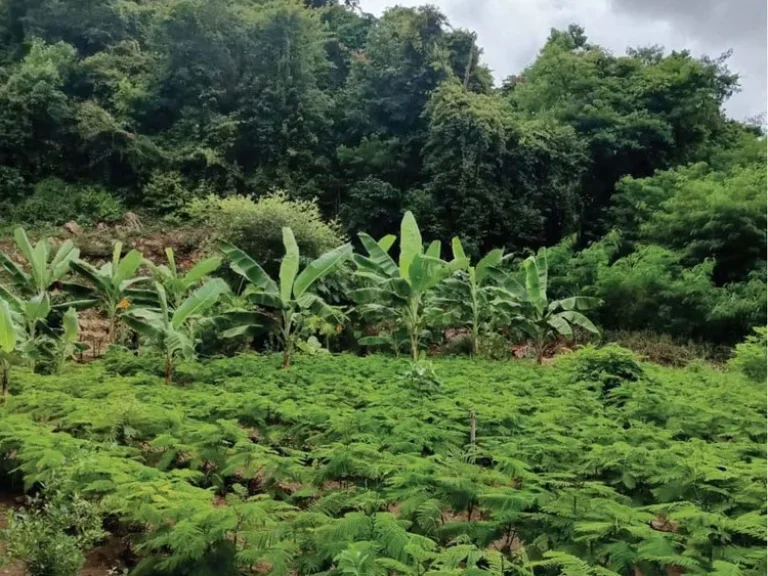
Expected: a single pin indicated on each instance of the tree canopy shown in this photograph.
(161, 103)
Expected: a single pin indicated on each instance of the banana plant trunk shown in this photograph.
(475, 317)
(539, 350)
(414, 323)
(168, 370)
(112, 326)
(287, 340)
(5, 376)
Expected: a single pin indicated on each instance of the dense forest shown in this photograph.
(652, 199)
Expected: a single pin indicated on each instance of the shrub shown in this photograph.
(165, 192)
(50, 535)
(750, 356)
(124, 362)
(57, 202)
(256, 226)
(608, 366)
(13, 186)
(663, 349)
(420, 379)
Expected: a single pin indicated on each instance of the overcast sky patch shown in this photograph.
(511, 32)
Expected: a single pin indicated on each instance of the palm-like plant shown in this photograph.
(478, 293)
(176, 284)
(399, 289)
(291, 299)
(45, 268)
(12, 339)
(113, 285)
(173, 331)
(542, 319)
(25, 333)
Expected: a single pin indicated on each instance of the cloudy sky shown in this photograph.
(512, 31)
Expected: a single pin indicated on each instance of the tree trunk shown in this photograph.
(414, 346)
(168, 370)
(112, 328)
(5, 380)
(472, 428)
(468, 68)
(287, 339)
(539, 350)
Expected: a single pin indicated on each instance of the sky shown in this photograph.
(511, 32)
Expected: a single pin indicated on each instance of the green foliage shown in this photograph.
(56, 202)
(398, 291)
(361, 117)
(476, 299)
(257, 227)
(663, 349)
(543, 318)
(165, 192)
(172, 330)
(686, 258)
(176, 284)
(37, 324)
(750, 356)
(702, 214)
(50, 535)
(44, 268)
(114, 285)
(367, 463)
(608, 366)
(636, 113)
(486, 183)
(290, 298)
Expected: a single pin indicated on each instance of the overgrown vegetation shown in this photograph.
(250, 117)
(592, 191)
(365, 464)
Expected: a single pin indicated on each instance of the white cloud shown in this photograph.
(512, 31)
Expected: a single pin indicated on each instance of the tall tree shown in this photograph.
(637, 113)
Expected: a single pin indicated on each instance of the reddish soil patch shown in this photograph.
(105, 559)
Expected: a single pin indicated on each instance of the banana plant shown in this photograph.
(542, 319)
(27, 335)
(12, 344)
(114, 284)
(291, 299)
(400, 289)
(53, 348)
(477, 293)
(46, 269)
(173, 331)
(176, 284)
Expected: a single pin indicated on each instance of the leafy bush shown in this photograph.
(50, 535)
(13, 186)
(663, 349)
(124, 362)
(421, 379)
(750, 356)
(607, 366)
(165, 192)
(57, 202)
(256, 226)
